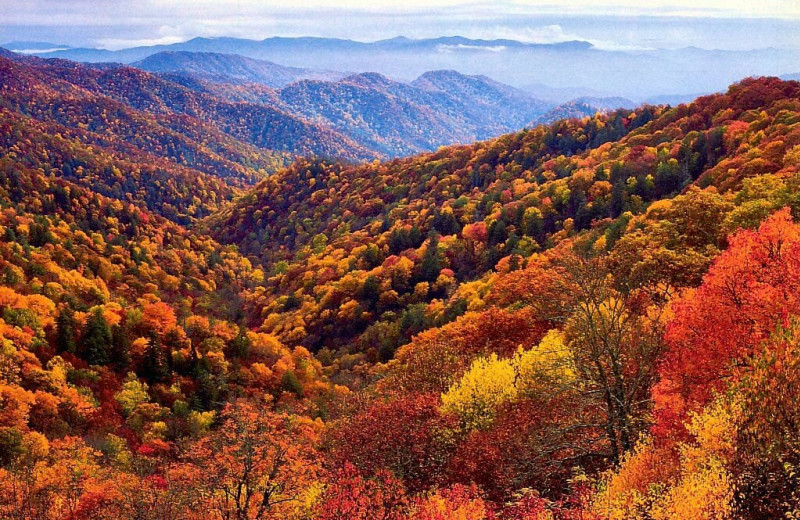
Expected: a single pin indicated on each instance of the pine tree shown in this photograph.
(120, 347)
(431, 265)
(154, 367)
(240, 346)
(65, 330)
(97, 339)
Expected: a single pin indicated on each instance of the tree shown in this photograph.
(132, 394)
(475, 397)
(749, 290)
(120, 355)
(431, 265)
(455, 503)
(154, 367)
(65, 330)
(257, 464)
(351, 496)
(397, 435)
(614, 330)
(97, 340)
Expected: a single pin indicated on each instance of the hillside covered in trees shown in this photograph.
(592, 319)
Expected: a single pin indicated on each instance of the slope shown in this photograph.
(349, 247)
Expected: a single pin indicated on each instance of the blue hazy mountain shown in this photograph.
(636, 74)
(28, 47)
(390, 117)
(230, 68)
(581, 107)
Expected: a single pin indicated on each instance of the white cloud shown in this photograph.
(552, 33)
(462, 47)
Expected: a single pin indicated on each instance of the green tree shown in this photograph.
(97, 340)
(65, 331)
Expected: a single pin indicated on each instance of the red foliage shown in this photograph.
(354, 497)
(749, 290)
(398, 435)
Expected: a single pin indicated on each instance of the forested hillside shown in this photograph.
(388, 116)
(592, 319)
(123, 107)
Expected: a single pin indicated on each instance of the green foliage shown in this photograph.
(96, 342)
(132, 394)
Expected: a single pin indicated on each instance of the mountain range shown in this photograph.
(633, 73)
(282, 111)
(391, 117)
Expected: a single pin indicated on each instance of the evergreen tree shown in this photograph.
(97, 339)
(120, 347)
(65, 330)
(240, 346)
(370, 292)
(431, 265)
(154, 367)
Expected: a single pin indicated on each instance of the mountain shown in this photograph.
(582, 107)
(674, 99)
(574, 65)
(456, 334)
(26, 47)
(608, 103)
(121, 117)
(299, 49)
(230, 68)
(358, 118)
(557, 95)
(396, 208)
(791, 77)
(481, 94)
(390, 117)
(437, 109)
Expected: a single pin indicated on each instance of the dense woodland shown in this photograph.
(595, 319)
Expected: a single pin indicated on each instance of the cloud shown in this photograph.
(166, 35)
(461, 47)
(553, 33)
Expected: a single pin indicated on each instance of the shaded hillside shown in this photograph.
(487, 99)
(358, 118)
(582, 107)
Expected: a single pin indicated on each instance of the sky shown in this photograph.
(610, 24)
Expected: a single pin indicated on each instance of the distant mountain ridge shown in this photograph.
(358, 118)
(262, 48)
(577, 65)
(390, 117)
(231, 68)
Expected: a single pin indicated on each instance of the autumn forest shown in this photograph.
(211, 308)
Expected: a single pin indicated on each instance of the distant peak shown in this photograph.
(367, 78)
(396, 39)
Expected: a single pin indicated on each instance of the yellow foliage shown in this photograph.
(488, 383)
(630, 492)
(698, 487)
(491, 382)
(546, 366)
